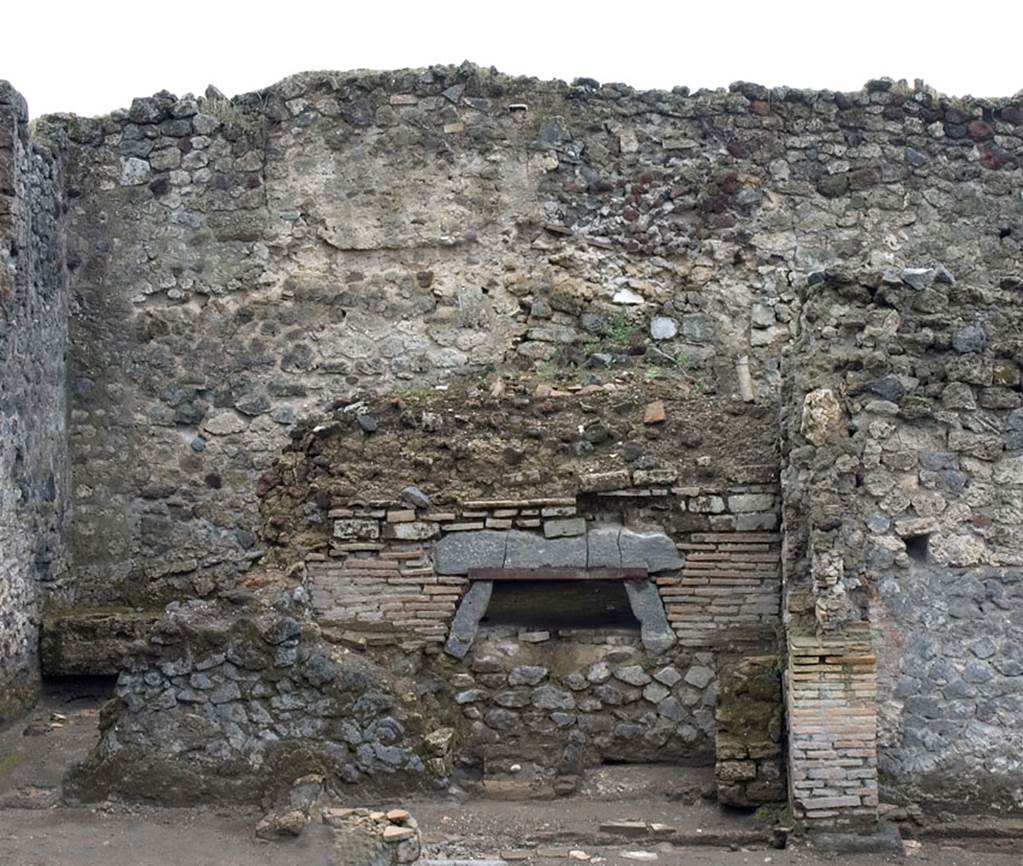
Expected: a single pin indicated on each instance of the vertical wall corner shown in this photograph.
(34, 465)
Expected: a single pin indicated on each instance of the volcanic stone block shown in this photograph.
(526, 675)
(634, 675)
(553, 698)
(654, 550)
(530, 551)
(699, 676)
(602, 547)
(655, 632)
(457, 552)
(467, 618)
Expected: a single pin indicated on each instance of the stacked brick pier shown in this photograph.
(832, 715)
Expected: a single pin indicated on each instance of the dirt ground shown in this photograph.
(36, 830)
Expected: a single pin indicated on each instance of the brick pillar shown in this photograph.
(832, 714)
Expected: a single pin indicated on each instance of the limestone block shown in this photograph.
(822, 417)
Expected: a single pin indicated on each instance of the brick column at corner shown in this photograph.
(831, 701)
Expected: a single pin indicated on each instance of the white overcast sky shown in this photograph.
(91, 57)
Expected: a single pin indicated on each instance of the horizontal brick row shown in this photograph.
(731, 582)
(833, 725)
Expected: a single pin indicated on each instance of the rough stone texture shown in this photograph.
(265, 282)
(908, 520)
(749, 743)
(947, 734)
(300, 247)
(362, 837)
(652, 550)
(593, 703)
(77, 641)
(234, 705)
(457, 552)
(526, 550)
(34, 472)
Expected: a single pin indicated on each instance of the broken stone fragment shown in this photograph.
(278, 825)
(655, 413)
(397, 834)
(439, 742)
(919, 279)
(414, 496)
(627, 297)
(663, 328)
(822, 417)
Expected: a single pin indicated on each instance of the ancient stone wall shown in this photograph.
(391, 566)
(240, 265)
(911, 486)
(546, 680)
(750, 735)
(33, 410)
(234, 704)
(572, 699)
(321, 260)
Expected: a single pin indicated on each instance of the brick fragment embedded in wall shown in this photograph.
(832, 712)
